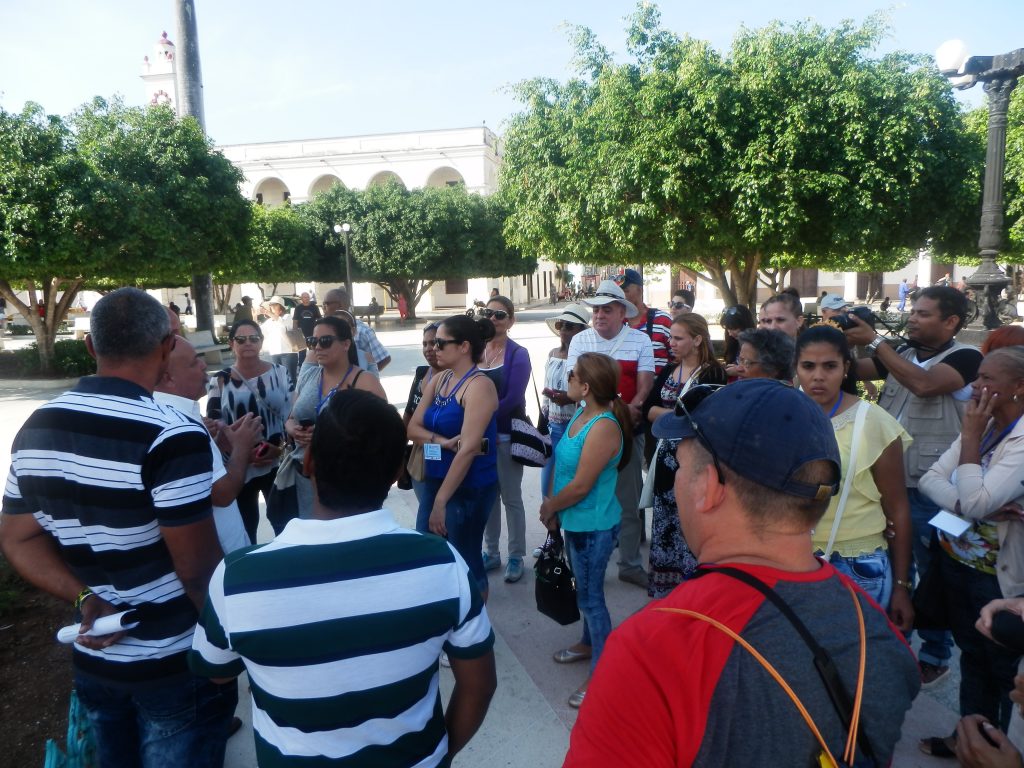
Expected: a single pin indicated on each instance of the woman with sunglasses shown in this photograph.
(508, 365)
(332, 369)
(253, 385)
(595, 446)
(734, 321)
(556, 406)
(455, 424)
(690, 341)
(854, 534)
(423, 376)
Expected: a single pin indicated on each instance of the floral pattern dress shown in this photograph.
(671, 561)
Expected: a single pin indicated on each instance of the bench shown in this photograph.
(207, 346)
(369, 311)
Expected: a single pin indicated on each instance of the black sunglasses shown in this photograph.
(565, 324)
(325, 342)
(252, 339)
(686, 404)
(679, 305)
(497, 314)
(440, 343)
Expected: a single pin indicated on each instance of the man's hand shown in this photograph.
(243, 434)
(94, 608)
(979, 744)
(861, 334)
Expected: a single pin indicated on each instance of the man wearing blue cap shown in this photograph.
(712, 674)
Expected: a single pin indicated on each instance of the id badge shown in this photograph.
(431, 452)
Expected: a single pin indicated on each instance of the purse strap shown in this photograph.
(851, 470)
(847, 710)
(250, 387)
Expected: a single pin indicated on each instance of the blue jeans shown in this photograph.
(589, 553)
(184, 725)
(556, 429)
(465, 518)
(936, 645)
(871, 573)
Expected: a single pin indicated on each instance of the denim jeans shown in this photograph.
(589, 553)
(936, 645)
(556, 429)
(184, 725)
(986, 668)
(872, 573)
(465, 518)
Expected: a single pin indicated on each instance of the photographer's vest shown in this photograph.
(933, 422)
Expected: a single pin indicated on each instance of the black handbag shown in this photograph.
(554, 585)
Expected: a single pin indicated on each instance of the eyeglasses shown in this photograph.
(252, 339)
(497, 314)
(746, 362)
(679, 305)
(566, 325)
(325, 342)
(688, 402)
(442, 343)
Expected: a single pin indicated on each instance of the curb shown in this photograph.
(10, 384)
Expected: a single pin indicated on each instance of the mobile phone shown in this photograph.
(305, 423)
(261, 449)
(485, 445)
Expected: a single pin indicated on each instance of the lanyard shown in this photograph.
(992, 446)
(324, 398)
(836, 406)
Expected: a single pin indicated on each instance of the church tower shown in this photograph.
(158, 74)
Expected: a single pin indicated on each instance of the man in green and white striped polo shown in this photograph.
(340, 620)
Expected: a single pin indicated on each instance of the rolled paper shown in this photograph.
(105, 625)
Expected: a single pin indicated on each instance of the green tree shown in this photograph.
(794, 149)
(406, 240)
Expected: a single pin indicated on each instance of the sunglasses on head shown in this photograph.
(325, 342)
(254, 338)
(497, 314)
(686, 404)
(440, 343)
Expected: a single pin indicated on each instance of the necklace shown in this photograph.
(500, 352)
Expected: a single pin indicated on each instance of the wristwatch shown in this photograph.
(874, 344)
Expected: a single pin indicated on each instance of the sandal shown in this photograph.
(938, 746)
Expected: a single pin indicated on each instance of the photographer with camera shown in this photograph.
(927, 386)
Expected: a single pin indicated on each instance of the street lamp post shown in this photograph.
(998, 76)
(347, 229)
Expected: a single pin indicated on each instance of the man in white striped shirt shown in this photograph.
(340, 621)
(107, 505)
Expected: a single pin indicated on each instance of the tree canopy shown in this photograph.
(405, 240)
(111, 196)
(794, 149)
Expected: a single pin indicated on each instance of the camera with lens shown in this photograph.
(864, 313)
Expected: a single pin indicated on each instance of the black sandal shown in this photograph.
(937, 746)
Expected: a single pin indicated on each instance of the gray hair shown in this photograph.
(128, 324)
(1010, 358)
(775, 349)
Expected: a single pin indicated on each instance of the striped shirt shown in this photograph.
(630, 347)
(103, 467)
(660, 334)
(339, 624)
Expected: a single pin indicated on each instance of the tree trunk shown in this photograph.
(44, 328)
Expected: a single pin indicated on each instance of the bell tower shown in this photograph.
(158, 74)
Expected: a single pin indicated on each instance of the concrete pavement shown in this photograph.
(529, 721)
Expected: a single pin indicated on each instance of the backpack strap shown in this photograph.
(651, 313)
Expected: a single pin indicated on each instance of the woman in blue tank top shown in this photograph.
(456, 427)
(594, 447)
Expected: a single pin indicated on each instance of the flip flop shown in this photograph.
(936, 746)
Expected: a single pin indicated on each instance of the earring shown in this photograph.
(583, 403)
(1015, 398)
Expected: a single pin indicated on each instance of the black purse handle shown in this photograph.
(827, 670)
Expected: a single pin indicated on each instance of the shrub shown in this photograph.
(70, 359)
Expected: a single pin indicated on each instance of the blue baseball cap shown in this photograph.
(764, 431)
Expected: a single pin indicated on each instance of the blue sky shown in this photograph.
(312, 68)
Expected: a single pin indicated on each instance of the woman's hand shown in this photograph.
(732, 370)
(436, 521)
(450, 444)
(1012, 605)
(977, 416)
(548, 516)
(901, 608)
(301, 435)
(560, 397)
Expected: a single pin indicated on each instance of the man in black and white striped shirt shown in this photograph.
(107, 505)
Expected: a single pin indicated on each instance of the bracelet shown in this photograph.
(874, 344)
(907, 585)
(82, 597)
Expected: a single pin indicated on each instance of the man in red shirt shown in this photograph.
(674, 689)
(654, 322)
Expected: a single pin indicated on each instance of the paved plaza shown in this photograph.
(529, 720)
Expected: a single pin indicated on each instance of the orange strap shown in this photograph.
(851, 741)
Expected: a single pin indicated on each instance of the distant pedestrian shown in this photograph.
(904, 291)
(188, 304)
(403, 307)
